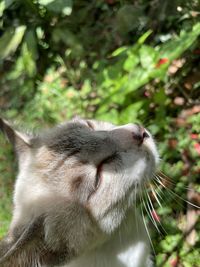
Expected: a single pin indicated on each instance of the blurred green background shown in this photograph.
(115, 60)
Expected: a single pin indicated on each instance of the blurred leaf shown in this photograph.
(45, 2)
(170, 242)
(68, 38)
(128, 18)
(111, 116)
(27, 60)
(160, 97)
(2, 7)
(131, 113)
(31, 41)
(5, 4)
(174, 48)
(131, 61)
(10, 41)
(59, 6)
(119, 51)
(148, 56)
(143, 38)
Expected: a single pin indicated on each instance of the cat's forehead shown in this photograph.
(73, 135)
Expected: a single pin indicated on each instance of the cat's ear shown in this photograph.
(22, 245)
(20, 141)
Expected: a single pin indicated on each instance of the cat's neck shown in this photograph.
(127, 247)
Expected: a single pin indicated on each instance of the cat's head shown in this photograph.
(76, 183)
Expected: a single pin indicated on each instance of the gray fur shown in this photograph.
(61, 212)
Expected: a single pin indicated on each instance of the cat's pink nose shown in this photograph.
(139, 135)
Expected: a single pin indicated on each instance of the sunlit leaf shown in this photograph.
(2, 7)
(131, 113)
(58, 6)
(143, 38)
(131, 62)
(174, 48)
(119, 51)
(10, 41)
(5, 4)
(148, 56)
(45, 2)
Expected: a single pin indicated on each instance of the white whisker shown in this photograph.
(146, 228)
(150, 211)
(154, 194)
(157, 189)
(173, 193)
(169, 180)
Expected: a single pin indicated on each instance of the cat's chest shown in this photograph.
(127, 248)
(133, 256)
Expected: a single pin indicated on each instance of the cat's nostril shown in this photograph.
(137, 136)
(145, 134)
(140, 135)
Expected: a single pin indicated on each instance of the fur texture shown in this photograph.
(74, 198)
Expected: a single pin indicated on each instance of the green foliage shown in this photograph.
(134, 67)
(112, 60)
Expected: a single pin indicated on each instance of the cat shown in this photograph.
(75, 196)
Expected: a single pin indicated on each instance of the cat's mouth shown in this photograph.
(98, 177)
(147, 145)
(135, 150)
(98, 180)
(99, 172)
